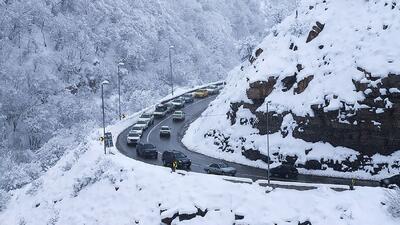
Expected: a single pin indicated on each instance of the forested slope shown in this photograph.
(55, 53)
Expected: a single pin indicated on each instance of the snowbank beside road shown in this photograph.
(88, 187)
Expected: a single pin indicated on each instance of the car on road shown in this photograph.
(391, 181)
(188, 98)
(178, 103)
(133, 138)
(146, 150)
(220, 169)
(284, 171)
(160, 111)
(148, 117)
(137, 129)
(165, 131)
(143, 124)
(178, 116)
(170, 106)
(212, 89)
(201, 93)
(183, 162)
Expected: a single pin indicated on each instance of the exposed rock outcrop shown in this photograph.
(261, 89)
(316, 29)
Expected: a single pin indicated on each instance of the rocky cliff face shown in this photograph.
(373, 128)
(331, 75)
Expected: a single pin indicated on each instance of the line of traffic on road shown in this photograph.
(176, 120)
(172, 108)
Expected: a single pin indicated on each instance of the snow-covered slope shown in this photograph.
(331, 74)
(54, 55)
(88, 187)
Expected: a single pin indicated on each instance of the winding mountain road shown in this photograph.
(199, 161)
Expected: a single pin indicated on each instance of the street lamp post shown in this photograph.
(170, 68)
(119, 90)
(268, 159)
(102, 106)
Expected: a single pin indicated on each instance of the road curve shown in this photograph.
(199, 161)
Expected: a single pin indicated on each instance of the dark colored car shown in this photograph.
(284, 171)
(220, 169)
(183, 161)
(387, 182)
(146, 151)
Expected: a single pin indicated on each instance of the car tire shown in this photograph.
(137, 152)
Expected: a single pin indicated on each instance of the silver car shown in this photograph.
(178, 115)
(142, 123)
(220, 169)
(137, 129)
(165, 131)
(132, 138)
(213, 89)
(178, 103)
(148, 117)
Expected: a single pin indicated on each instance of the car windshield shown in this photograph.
(133, 135)
(141, 122)
(222, 165)
(179, 155)
(187, 95)
(148, 146)
(145, 116)
(164, 128)
(178, 112)
(136, 128)
(161, 108)
(177, 101)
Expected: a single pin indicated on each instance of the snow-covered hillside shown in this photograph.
(88, 187)
(331, 75)
(54, 54)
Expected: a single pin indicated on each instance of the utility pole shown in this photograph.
(104, 120)
(268, 160)
(119, 90)
(170, 67)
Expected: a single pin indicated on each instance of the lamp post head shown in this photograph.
(171, 46)
(121, 64)
(105, 82)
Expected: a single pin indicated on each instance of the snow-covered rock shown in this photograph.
(330, 73)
